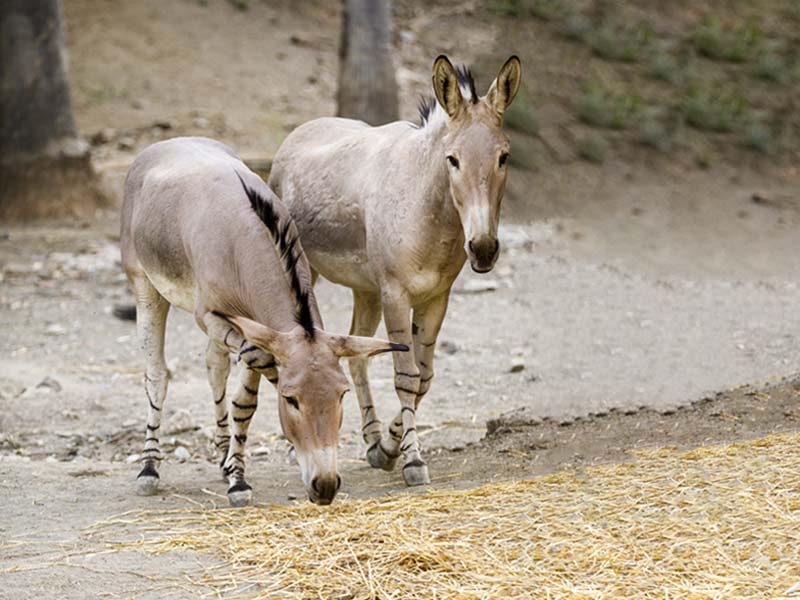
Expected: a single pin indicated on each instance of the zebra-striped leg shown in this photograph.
(425, 330)
(218, 367)
(151, 318)
(366, 317)
(406, 384)
(243, 408)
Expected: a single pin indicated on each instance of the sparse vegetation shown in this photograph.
(654, 133)
(593, 149)
(739, 43)
(602, 108)
(663, 66)
(521, 115)
(547, 10)
(713, 110)
(616, 42)
(757, 136)
(772, 66)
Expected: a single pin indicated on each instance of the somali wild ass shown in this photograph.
(393, 212)
(202, 232)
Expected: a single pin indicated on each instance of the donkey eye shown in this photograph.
(503, 158)
(452, 160)
(292, 401)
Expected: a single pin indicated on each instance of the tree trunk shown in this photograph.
(367, 84)
(45, 167)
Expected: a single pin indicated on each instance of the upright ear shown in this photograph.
(346, 346)
(268, 339)
(445, 86)
(503, 89)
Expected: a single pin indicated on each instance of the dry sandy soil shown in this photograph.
(629, 296)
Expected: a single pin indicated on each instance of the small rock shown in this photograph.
(55, 329)
(261, 451)
(448, 347)
(137, 104)
(182, 454)
(517, 365)
(164, 124)
(291, 497)
(200, 122)
(128, 423)
(180, 422)
(477, 286)
(50, 384)
(103, 136)
(132, 458)
(126, 143)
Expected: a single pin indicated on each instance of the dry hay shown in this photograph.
(715, 522)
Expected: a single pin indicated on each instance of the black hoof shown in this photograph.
(240, 494)
(378, 458)
(416, 473)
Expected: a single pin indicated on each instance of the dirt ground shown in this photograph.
(631, 306)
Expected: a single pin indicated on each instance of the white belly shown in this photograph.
(178, 293)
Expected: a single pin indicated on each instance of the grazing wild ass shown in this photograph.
(393, 212)
(202, 232)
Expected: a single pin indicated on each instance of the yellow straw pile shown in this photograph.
(715, 522)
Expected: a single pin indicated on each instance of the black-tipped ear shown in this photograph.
(445, 86)
(345, 346)
(503, 89)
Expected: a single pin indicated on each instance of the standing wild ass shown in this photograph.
(393, 212)
(202, 232)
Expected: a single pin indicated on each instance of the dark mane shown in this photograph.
(465, 80)
(428, 104)
(285, 238)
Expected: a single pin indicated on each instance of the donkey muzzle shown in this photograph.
(323, 489)
(483, 254)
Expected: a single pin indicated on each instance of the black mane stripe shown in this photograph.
(286, 243)
(465, 80)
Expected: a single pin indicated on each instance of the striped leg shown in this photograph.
(151, 319)
(396, 313)
(218, 367)
(425, 330)
(366, 317)
(243, 408)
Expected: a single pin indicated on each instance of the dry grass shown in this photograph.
(715, 522)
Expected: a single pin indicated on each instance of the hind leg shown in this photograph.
(151, 318)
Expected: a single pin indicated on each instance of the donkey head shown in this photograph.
(476, 151)
(311, 387)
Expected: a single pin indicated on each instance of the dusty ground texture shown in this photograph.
(625, 299)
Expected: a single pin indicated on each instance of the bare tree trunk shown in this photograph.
(44, 165)
(367, 84)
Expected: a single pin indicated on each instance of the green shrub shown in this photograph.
(735, 44)
(654, 133)
(577, 27)
(771, 66)
(664, 66)
(710, 110)
(601, 108)
(757, 136)
(621, 43)
(521, 115)
(593, 149)
(547, 10)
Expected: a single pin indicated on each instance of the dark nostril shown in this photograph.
(496, 247)
(314, 485)
(338, 482)
(471, 247)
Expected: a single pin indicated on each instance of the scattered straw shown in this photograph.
(715, 522)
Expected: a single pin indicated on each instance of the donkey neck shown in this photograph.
(436, 203)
